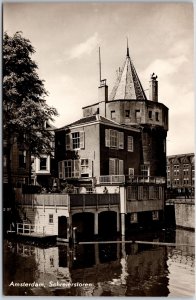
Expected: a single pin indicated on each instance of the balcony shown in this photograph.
(97, 200)
(146, 179)
(42, 199)
(111, 179)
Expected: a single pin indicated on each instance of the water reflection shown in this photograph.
(117, 269)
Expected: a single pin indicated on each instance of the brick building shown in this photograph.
(181, 171)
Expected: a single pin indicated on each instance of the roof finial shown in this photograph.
(127, 48)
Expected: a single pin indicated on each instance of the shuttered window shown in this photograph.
(75, 140)
(116, 166)
(114, 139)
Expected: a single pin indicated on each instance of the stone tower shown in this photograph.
(128, 105)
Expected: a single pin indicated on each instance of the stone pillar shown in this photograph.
(96, 224)
(97, 254)
(122, 208)
(122, 224)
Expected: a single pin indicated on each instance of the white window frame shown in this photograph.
(145, 170)
(130, 145)
(117, 168)
(85, 167)
(75, 140)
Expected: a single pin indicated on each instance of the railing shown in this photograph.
(94, 199)
(29, 229)
(112, 179)
(42, 199)
(146, 179)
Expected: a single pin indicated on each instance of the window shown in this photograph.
(89, 190)
(130, 143)
(155, 215)
(114, 139)
(145, 170)
(51, 219)
(75, 140)
(151, 192)
(85, 168)
(156, 192)
(132, 192)
(131, 172)
(133, 218)
(71, 169)
(138, 115)
(43, 161)
(113, 116)
(176, 170)
(116, 166)
(127, 113)
(51, 261)
(4, 160)
(145, 192)
(150, 114)
(157, 116)
(68, 168)
(22, 158)
(186, 181)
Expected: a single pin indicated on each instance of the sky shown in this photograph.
(67, 36)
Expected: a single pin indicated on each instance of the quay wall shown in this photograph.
(185, 214)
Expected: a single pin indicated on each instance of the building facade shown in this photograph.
(181, 172)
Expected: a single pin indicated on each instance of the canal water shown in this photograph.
(103, 269)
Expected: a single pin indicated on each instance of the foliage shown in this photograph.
(25, 111)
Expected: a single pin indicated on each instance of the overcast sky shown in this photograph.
(66, 37)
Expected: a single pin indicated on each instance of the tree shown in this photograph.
(25, 110)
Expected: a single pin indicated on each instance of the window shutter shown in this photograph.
(76, 168)
(112, 166)
(60, 169)
(121, 140)
(107, 137)
(82, 140)
(68, 141)
(121, 167)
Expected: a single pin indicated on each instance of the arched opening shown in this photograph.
(107, 223)
(62, 227)
(84, 223)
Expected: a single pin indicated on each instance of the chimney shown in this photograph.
(103, 91)
(153, 88)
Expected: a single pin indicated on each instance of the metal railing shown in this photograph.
(146, 179)
(29, 229)
(111, 179)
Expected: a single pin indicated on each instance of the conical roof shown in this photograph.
(128, 85)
